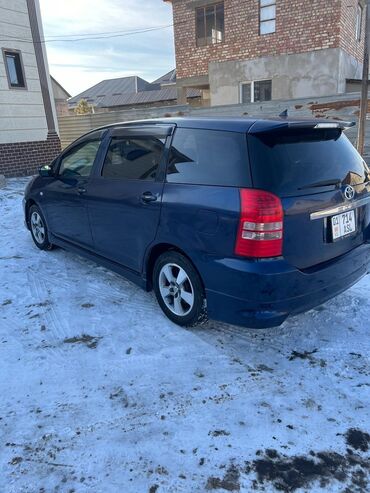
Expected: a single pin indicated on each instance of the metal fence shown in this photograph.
(340, 107)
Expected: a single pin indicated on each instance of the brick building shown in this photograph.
(28, 126)
(255, 50)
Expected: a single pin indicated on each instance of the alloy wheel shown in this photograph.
(176, 289)
(38, 228)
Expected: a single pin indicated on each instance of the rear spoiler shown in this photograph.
(276, 125)
(341, 125)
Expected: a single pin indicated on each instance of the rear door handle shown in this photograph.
(149, 197)
(81, 190)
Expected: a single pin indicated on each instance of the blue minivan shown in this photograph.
(246, 221)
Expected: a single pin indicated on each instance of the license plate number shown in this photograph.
(343, 224)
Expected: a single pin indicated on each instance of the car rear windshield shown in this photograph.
(298, 162)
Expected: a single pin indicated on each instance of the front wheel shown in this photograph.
(179, 290)
(38, 228)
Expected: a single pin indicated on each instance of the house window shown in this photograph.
(14, 69)
(246, 92)
(359, 22)
(256, 91)
(267, 16)
(210, 25)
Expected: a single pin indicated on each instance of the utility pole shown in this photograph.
(365, 84)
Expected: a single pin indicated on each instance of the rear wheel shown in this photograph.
(38, 228)
(179, 290)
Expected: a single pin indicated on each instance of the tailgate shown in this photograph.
(324, 187)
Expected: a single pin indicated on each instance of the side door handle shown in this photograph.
(81, 190)
(149, 197)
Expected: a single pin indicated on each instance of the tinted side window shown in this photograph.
(133, 158)
(79, 160)
(208, 157)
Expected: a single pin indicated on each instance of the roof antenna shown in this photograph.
(284, 114)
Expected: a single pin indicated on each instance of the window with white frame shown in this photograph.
(359, 22)
(267, 16)
(256, 91)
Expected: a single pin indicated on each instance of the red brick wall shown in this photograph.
(24, 158)
(301, 26)
(348, 28)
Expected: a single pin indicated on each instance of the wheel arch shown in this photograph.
(153, 255)
(29, 204)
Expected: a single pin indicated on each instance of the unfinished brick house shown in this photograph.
(240, 51)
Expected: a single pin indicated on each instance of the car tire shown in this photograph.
(179, 290)
(38, 228)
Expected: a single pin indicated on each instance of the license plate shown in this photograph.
(343, 224)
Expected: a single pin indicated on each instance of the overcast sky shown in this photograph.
(79, 65)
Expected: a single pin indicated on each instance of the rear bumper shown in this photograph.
(262, 294)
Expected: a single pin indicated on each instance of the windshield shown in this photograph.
(296, 162)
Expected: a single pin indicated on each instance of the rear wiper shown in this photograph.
(324, 183)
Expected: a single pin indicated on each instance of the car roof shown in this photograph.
(232, 124)
(222, 123)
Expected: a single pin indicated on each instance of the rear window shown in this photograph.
(208, 157)
(297, 162)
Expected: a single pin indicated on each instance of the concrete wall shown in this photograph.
(312, 74)
(349, 68)
(22, 114)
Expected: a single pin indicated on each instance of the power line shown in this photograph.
(90, 37)
(105, 35)
(105, 32)
(98, 36)
(102, 35)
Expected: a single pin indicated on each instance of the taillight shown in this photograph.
(260, 232)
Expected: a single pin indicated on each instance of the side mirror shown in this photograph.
(46, 171)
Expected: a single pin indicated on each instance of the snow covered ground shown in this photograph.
(101, 393)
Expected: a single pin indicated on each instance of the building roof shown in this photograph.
(110, 87)
(128, 91)
(166, 79)
(145, 97)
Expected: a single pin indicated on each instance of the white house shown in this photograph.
(28, 125)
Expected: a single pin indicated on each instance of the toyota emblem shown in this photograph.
(349, 192)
